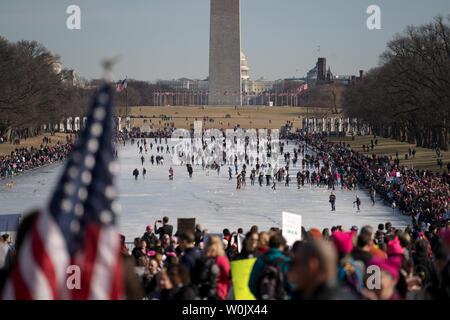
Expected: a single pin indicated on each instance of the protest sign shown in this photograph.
(292, 227)
(186, 224)
(240, 241)
(240, 274)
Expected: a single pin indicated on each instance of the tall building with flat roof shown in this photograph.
(321, 69)
(225, 83)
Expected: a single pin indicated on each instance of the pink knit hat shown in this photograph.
(385, 265)
(394, 247)
(343, 241)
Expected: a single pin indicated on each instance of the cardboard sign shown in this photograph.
(292, 227)
(186, 224)
(240, 274)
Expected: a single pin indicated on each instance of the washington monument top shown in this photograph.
(225, 53)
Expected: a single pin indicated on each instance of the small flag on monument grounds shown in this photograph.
(302, 88)
(122, 85)
(78, 227)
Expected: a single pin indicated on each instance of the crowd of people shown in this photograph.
(23, 159)
(332, 264)
(422, 194)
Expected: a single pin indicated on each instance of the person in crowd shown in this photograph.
(350, 271)
(181, 282)
(276, 258)
(141, 250)
(164, 288)
(190, 252)
(150, 237)
(165, 229)
(332, 201)
(198, 234)
(389, 278)
(214, 250)
(6, 256)
(362, 250)
(167, 246)
(263, 242)
(326, 234)
(313, 273)
(250, 245)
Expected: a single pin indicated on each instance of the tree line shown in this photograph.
(32, 93)
(407, 96)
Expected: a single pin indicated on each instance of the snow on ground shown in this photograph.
(212, 199)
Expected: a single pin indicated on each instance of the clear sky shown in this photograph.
(166, 39)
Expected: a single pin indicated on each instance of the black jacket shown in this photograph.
(165, 229)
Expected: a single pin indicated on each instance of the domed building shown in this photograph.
(244, 68)
(245, 74)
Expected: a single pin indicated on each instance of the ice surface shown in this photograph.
(213, 200)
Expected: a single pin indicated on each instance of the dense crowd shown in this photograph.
(23, 159)
(422, 194)
(328, 264)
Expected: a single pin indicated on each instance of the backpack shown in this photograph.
(350, 274)
(271, 283)
(204, 276)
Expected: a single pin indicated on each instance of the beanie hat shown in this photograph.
(149, 227)
(385, 265)
(343, 241)
(394, 247)
(315, 233)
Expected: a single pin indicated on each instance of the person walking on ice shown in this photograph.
(332, 201)
(372, 196)
(170, 174)
(136, 173)
(358, 204)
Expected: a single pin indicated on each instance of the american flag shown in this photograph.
(302, 88)
(121, 85)
(78, 227)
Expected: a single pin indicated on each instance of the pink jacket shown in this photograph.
(224, 278)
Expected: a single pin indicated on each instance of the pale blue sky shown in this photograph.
(165, 39)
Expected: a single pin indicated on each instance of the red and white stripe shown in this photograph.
(40, 269)
(101, 265)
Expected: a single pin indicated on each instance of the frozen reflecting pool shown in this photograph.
(212, 199)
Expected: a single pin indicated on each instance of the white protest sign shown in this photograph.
(292, 227)
(240, 240)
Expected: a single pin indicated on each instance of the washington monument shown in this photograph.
(225, 53)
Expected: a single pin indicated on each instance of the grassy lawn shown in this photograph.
(247, 117)
(6, 148)
(425, 158)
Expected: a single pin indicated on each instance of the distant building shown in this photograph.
(185, 84)
(261, 85)
(288, 84)
(321, 69)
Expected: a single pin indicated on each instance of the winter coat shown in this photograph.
(271, 254)
(224, 279)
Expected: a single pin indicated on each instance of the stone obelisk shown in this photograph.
(225, 53)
